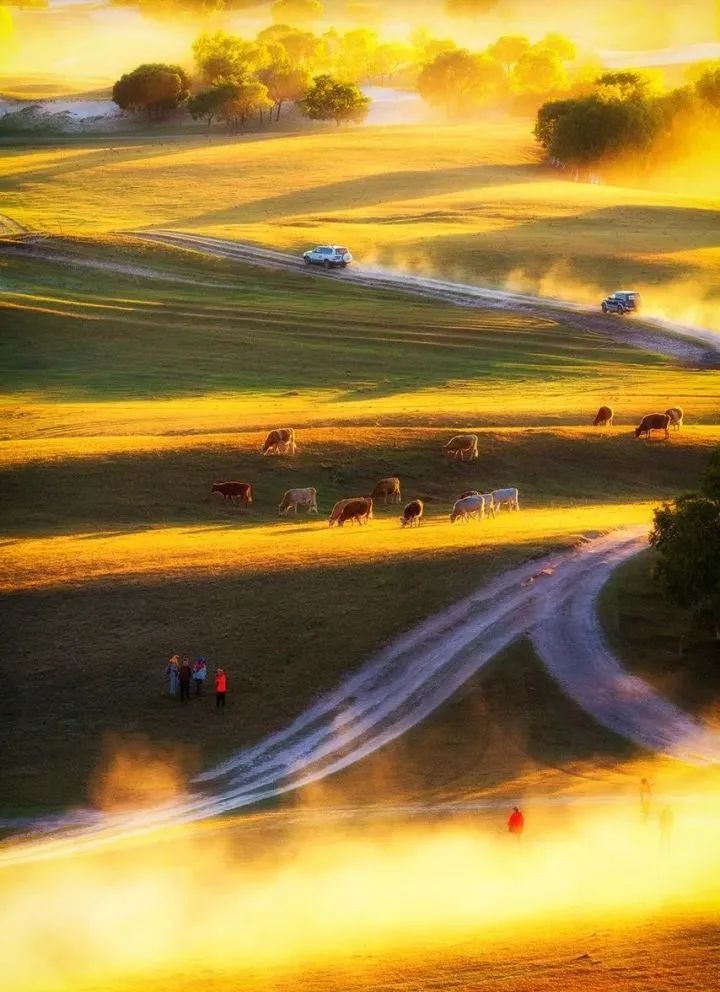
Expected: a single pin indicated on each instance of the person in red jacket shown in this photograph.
(220, 688)
(516, 822)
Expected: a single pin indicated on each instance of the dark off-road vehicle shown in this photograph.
(624, 301)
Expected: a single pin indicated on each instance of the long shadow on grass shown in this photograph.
(127, 491)
(85, 664)
(367, 191)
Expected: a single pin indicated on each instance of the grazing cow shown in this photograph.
(462, 446)
(234, 491)
(676, 414)
(469, 492)
(470, 506)
(299, 497)
(653, 422)
(339, 507)
(604, 417)
(490, 507)
(412, 514)
(359, 509)
(280, 442)
(506, 497)
(387, 490)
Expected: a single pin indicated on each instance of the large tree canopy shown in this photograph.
(153, 87)
(330, 100)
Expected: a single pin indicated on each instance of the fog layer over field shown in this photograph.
(268, 894)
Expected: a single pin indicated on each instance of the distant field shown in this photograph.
(468, 201)
(128, 393)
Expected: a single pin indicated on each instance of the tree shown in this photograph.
(625, 85)
(241, 100)
(302, 48)
(563, 47)
(460, 81)
(330, 100)
(355, 54)
(508, 49)
(589, 130)
(208, 104)
(708, 87)
(297, 11)
(284, 84)
(539, 72)
(223, 57)
(686, 535)
(389, 58)
(153, 87)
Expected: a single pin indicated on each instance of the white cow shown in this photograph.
(469, 506)
(506, 497)
(676, 414)
(294, 498)
(490, 507)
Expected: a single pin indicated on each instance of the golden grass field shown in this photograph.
(127, 393)
(128, 388)
(470, 202)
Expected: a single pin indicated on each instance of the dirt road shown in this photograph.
(691, 345)
(552, 600)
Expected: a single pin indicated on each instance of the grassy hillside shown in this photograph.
(470, 201)
(131, 388)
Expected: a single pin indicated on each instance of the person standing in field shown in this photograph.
(220, 688)
(171, 672)
(645, 799)
(516, 822)
(184, 676)
(199, 674)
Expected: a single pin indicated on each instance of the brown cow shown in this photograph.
(280, 442)
(412, 514)
(653, 422)
(338, 508)
(469, 492)
(359, 509)
(387, 489)
(604, 417)
(676, 414)
(462, 445)
(234, 491)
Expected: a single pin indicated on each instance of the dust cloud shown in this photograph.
(287, 891)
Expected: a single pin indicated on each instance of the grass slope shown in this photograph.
(130, 392)
(469, 201)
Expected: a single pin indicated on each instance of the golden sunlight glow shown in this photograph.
(249, 903)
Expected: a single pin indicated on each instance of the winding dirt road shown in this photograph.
(691, 345)
(552, 600)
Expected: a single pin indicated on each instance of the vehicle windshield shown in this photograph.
(342, 251)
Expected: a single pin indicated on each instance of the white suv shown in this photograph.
(329, 256)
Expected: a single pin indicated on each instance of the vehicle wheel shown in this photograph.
(307, 261)
(343, 265)
(326, 264)
(604, 308)
(621, 311)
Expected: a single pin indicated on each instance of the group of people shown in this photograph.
(182, 674)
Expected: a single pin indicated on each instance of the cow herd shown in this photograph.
(471, 504)
(673, 417)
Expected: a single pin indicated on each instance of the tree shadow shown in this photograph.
(365, 191)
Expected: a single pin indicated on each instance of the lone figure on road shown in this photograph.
(220, 688)
(516, 822)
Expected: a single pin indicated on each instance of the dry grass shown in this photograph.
(469, 201)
